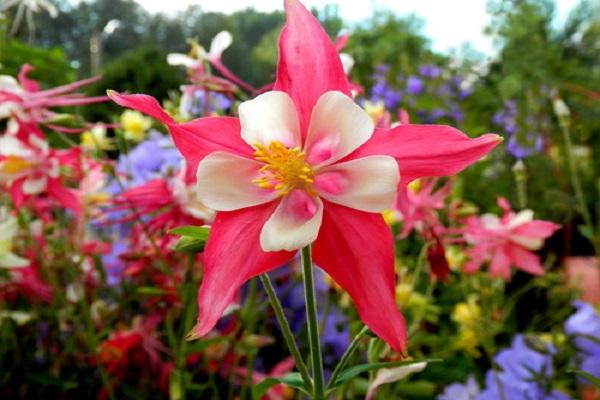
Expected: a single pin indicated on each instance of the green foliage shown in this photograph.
(142, 70)
(51, 65)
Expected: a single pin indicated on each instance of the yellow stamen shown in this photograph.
(285, 168)
(14, 165)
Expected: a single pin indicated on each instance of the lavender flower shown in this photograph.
(414, 85)
(430, 71)
(584, 328)
(524, 374)
(461, 391)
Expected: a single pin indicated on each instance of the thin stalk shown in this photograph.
(577, 189)
(346, 357)
(288, 335)
(313, 325)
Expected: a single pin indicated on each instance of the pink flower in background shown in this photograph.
(506, 241)
(304, 165)
(24, 100)
(31, 168)
(418, 207)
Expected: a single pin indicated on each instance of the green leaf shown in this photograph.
(198, 346)
(293, 379)
(351, 372)
(189, 244)
(587, 376)
(586, 232)
(150, 291)
(198, 232)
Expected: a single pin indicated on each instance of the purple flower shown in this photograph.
(430, 71)
(521, 150)
(414, 85)
(583, 327)
(524, 374)
(585, 322)
(461, 391)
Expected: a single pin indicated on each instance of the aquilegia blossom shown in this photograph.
(505, 241)
(304, 165)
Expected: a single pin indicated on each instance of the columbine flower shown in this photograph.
(8, 259)
(31, 168)
(135, 125)
(24, 100)
(507, 241)
(304, 165)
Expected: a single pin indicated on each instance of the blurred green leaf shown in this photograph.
(293, 379)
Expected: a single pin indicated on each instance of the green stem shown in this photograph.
(346, 357)
(286, 331)
(579, 197)
(313, 325)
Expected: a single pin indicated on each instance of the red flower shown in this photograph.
(304, 165)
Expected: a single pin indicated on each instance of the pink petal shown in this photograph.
(224, 182)
(294, 224)
(338, 126)
(500, 263)
(65, 197)
(28, 84)
(539, 229)
(357, 249)
(232, 256)
(195, 139)
(367, 184)
(525, 260)
(309, 64)
(427, 150)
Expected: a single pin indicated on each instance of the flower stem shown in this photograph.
(288, 336)
(347, 354)
(313, 325)
(576, 183)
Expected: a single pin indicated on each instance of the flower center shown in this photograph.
(5, 247)
(285, 169)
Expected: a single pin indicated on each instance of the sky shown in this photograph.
(448, 23)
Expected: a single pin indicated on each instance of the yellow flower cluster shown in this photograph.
(468, 317)
(135, 125)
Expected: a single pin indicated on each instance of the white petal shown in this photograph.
(11, 146)
(10, 260)
(225, 182)
(347, 62)
(270, 117)
(367, 184)
(294, 224)
(520, 218)
(177, 59)
(337, 127)
(8, 228)
(219, 44)
(33, 186)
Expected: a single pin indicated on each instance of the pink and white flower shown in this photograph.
(304, 165)
(506, 241)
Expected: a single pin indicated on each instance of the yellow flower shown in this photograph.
(376, 110)
(95, 139)
(467, 314)
(403, 293)
(135, 125)
(456, 257)
(468, 340)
